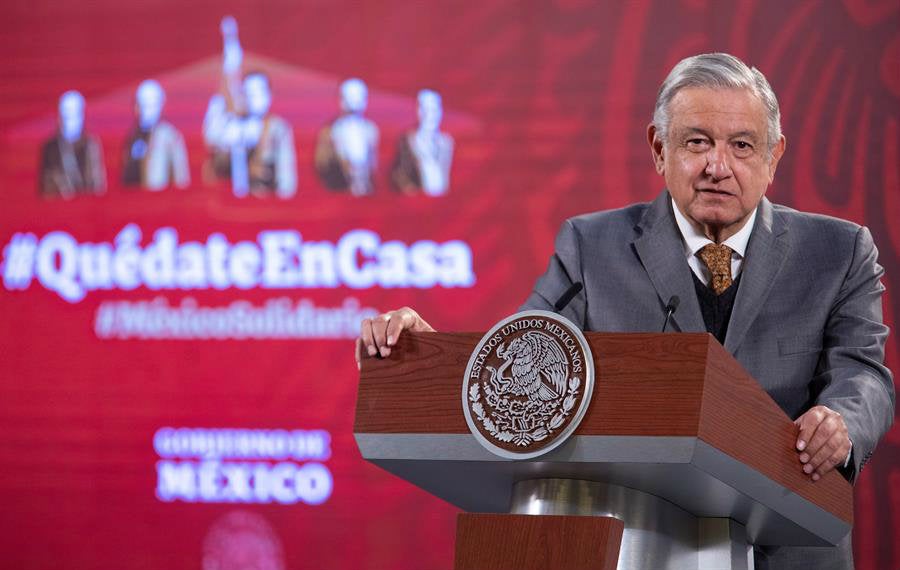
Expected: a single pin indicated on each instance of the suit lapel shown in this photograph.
(766, 253)
(661, 249)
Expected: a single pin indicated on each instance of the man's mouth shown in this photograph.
(714, 191)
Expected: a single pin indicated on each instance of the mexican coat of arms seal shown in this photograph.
(528, 384)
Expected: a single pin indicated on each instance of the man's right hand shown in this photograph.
(377, 335)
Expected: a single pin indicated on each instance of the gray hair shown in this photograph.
(717, 71)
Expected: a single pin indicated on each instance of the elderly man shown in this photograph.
(72, 159)
(424, 154)
(346, 155)
(795, 297)
(154, 154)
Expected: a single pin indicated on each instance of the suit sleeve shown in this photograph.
(851, 368)
(562, 272)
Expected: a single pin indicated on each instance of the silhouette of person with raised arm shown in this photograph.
(248, 144)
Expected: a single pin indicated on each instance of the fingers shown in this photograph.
(823, 441)
(400, 320)
(367, 337)
(404, 319)
(378, 334)
(808, 423)
(372, 334)
(829, 446)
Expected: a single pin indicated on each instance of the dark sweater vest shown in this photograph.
(716, 309)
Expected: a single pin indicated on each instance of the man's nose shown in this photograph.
(717, 166)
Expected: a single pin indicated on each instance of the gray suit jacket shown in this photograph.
(806, 322)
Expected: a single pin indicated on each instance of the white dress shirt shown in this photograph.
(694, 241)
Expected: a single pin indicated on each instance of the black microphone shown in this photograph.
(670, 310)
(567, 297)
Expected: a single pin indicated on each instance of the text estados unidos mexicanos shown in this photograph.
(278, 259)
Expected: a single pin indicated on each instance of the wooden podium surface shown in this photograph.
(672, 414)
(494, 542)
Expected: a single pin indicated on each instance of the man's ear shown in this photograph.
(657, 148)
(777, 152)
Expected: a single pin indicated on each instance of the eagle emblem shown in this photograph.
(527, 384)
(539, 367)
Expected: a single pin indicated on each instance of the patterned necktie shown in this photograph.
(717, 258)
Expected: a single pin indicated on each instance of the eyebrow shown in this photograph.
(697, 130)
(744, 134)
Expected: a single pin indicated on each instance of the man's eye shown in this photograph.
(697, 143)
(743, 148)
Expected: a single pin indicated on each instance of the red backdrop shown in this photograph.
(547, 101)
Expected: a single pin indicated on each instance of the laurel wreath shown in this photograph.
(524, 438)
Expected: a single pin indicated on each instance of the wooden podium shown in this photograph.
(681, 462)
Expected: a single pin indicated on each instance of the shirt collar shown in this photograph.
(694, 241)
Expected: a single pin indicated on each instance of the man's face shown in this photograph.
(430, 111)
(716, 158)
(259, 98)
(149, 101)
(354, 96)
(71, 115)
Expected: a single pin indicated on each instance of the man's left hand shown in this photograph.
(823, 442)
